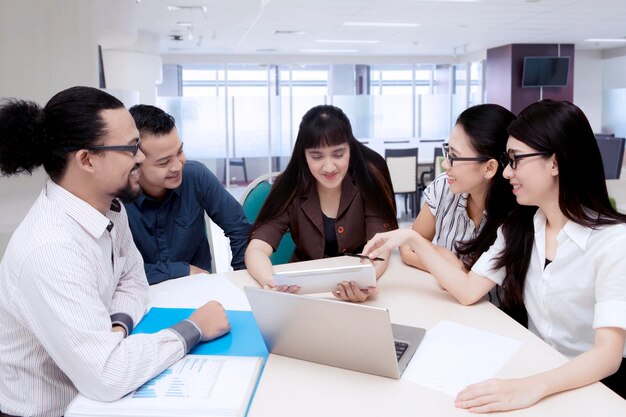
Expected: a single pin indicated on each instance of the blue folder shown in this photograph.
(244, 338)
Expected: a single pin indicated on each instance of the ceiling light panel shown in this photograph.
(382, 24)
(615, 40)
(329, 51)
(355, 41)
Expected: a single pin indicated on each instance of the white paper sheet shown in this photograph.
(197, 290)
(453, 356)
(197, 385)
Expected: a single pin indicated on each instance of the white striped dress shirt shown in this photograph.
(452, 224)
(61, 289)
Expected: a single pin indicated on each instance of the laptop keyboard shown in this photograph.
(400, 348)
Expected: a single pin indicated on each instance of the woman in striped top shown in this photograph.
(465, 206)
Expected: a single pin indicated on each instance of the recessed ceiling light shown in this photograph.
(328, 51)
(202, 9)
(184, 24)
(345, 41)
(289, 32)
(383, 24)
(606, 40)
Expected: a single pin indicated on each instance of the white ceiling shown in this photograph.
(446, 28)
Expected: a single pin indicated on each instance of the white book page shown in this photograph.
(197, 385)
(197, 290)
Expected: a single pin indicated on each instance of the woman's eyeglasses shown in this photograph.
(133, 149)
(511, 158)
(451, 159)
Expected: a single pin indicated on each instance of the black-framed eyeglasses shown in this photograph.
(133, 149)
(511, 158)
(451, 159)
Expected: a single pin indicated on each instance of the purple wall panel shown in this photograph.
(504, 74)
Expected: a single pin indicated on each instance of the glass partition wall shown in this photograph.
(232, 116)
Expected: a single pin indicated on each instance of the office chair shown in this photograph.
(604, 135)
(402, 164)
(434, 171)
(237, 162)
(612, 151)
(252, 200)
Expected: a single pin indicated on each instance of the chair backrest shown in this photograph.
(438, 161)
(612, 151)
(252, 200)
(604, 135)
(402, 164)
(220, 258)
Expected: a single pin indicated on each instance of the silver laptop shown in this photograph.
(335, 333)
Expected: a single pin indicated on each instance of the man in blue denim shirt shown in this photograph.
(167, 219)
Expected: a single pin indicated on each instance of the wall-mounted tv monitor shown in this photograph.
(545, 71)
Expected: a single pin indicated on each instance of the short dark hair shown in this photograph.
(151, 120)
(31, 136)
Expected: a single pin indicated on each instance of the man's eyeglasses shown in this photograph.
(451, 159)
(126, 148)
(511, 158)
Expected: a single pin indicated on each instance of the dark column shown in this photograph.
(362, 79)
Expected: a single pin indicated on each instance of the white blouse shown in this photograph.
(582, 289)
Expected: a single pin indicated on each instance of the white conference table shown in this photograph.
(291, 387)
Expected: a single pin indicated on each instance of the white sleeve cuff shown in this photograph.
(484, 267)
(610, 313)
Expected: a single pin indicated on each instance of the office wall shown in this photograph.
(614, 68)
(45, 47)
(588, 79)
(504, 75)
(133, 71)
(614, 91)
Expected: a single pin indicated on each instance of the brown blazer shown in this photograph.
(356, 223)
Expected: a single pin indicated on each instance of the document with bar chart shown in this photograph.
(197, 385)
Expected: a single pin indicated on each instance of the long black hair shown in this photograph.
(560, 129)
(486, 125)
(321, 126)
(31, 136)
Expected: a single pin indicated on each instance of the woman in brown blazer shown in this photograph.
(333, 196)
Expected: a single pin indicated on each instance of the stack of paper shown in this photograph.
(197, 385)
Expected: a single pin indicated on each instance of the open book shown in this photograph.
(197, 385)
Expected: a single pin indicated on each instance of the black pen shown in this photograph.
(357, 255)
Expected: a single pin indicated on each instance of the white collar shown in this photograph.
(579, 234)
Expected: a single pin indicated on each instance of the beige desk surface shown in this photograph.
(290, 387)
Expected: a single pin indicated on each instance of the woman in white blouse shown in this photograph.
(465, 206)
(559, 256)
